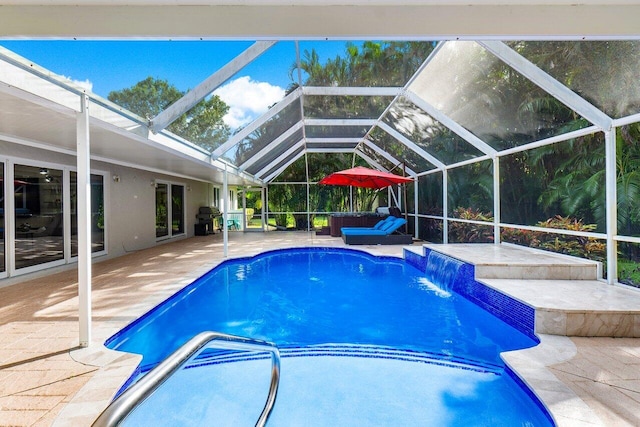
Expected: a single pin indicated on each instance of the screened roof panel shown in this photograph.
(490, 99)
(332, 145)
(345, 107)
(394, 65)
(256, 64)
(295, 172)
(463, 86)
(271, 69)
(377, 157)
(202, 134)
(274, 152)
(336, 131)
(399, 151)
(265, 134)
(605, 73)
(322, 164)
(291, 174)
(429, 134)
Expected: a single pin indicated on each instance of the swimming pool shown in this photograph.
(369, 339)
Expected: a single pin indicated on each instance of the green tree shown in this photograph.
(202, 125)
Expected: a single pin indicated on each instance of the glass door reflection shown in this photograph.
(38, 215)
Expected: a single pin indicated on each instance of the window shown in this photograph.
(232, 200)
(216, 197)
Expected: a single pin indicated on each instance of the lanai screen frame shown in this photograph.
(601, 123)
(297, 145)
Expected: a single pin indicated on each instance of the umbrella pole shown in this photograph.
(351, 198)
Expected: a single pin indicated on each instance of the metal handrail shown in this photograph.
(117, 411)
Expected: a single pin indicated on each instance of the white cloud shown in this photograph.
(247, 99)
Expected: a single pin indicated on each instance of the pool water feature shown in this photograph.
(361, 336)
(442, 269)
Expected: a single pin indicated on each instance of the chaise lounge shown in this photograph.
(385, 234)
(378, 225)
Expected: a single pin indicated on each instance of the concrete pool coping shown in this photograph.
(126, 288)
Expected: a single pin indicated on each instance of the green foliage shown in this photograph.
(602, 72)
(470, 232)
(583, 247)
(472, 186)
(322, 198)
(99, 220)
(371, 64)
(520, 237)
(629, 272)
(201, 125)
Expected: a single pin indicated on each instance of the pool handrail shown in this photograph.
(124, 404)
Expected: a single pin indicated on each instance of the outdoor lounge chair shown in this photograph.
(383, 236)
(378, 225)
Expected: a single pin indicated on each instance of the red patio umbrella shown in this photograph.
(364, 177)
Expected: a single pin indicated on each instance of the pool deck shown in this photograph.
(45, 379)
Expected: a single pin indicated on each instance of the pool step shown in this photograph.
(341, 385)
(506, 261)
(214, 356)
(564, 291)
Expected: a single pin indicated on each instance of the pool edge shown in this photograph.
(562, 417)
(528, 366)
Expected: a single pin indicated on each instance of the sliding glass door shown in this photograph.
(2, 221)
(38, 210)
(43, 217)
(97, 213)
(169, 210)
(177, 209)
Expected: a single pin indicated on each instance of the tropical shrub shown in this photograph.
(584, 247)
(468, 232)
(629, 273)
(520, 237)
(580, 246)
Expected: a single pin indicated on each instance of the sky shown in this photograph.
(105, 66)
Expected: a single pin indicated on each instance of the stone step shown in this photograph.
(562, 290)
(506, 261)
(582, 308)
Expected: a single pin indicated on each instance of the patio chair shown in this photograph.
(386, 235)
(233, 224)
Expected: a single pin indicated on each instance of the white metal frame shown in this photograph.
(271, 146)
(253, 126)
(191, 98)
(70, 100)
(548, 83)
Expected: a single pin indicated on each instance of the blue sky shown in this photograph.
(105, 66)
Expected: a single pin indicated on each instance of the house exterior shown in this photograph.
(145, 188)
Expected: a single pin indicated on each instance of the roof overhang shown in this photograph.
(319, 19)
(40, 112)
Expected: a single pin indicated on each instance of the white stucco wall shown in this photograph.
(129, 204)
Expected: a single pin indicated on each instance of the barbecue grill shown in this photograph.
(206, 216)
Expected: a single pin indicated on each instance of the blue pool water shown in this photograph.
(364, 340)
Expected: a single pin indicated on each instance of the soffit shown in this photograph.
(48, 127)
(361, 19)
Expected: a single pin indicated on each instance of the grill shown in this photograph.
(205, 217)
